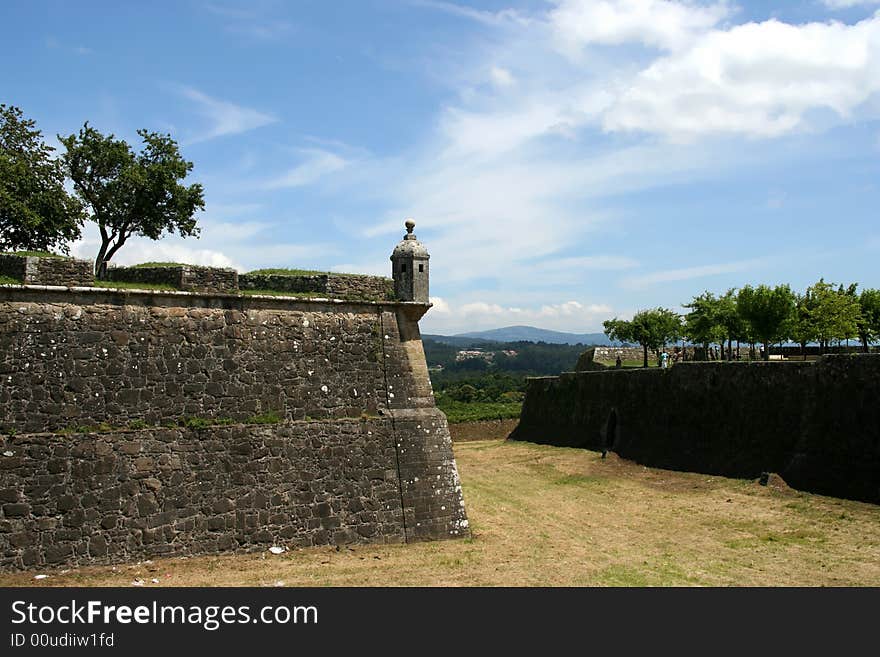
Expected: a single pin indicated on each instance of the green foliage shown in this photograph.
(204, 422)
(269, 417)
(198, 423)
(768, 312)
(869, 323)
(477, 411)
(36, 212)
(288, 272)
(128, 193)
(702, 325)
(836, 312)
(34, 254)
(714, 319)
(9, 280)
(147, 265)
(531, 359)
(653, 329)
(137, 424)
(802, 329)
(489, 388)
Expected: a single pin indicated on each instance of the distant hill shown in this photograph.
(458, 341)
(524, 334)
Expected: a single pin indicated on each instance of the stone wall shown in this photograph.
(130, 495)
(13, 266)
(342, 286)
(329, 370)
(34, 270)
(817, 425)
(182, 277)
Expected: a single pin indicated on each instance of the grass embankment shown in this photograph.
(299, 272)
(148, 265)
(34, 254)
(550, 516)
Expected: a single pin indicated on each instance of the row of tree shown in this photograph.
(124, 192)
(825, 313)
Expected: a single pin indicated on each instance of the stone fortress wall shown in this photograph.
(190, 278)
(33, 270)
(339, 286)
(143, 423)
(815, 424)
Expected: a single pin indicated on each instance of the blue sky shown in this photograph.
(565, 161)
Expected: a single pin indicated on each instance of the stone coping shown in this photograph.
(181, 294)
(703, 363)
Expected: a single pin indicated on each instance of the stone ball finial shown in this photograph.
(410, 224)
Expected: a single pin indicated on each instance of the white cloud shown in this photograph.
(501, 77)
(317, 164)
(481, 16)
(447, 317)
(224, 118)
(440, 306)
(663, 24)
(138, 249)
(688, 273)
(513, 175)
(847, 4)
(762, 80)
(757, 79)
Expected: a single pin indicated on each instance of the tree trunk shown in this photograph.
(645, 355)
(100, 265)
(803, 351)
(766, 350)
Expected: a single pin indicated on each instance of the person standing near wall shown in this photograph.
(664, 360)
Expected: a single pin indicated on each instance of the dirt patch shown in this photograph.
(485, 430)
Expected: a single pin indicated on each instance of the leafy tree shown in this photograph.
(653, 329)
(729, 320)
(869, 324)
(802, 328)
(36, 212)
(132, 194)
(768, 312)
(701, 324)
(835, 312)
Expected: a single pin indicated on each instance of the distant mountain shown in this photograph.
(457, 340)
(527, 334)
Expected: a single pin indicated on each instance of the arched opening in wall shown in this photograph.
(610, 431)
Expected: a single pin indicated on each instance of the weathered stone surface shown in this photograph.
(339, 286)
(817, 425)
(192, 278)
(33, 270)
(361, 454)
